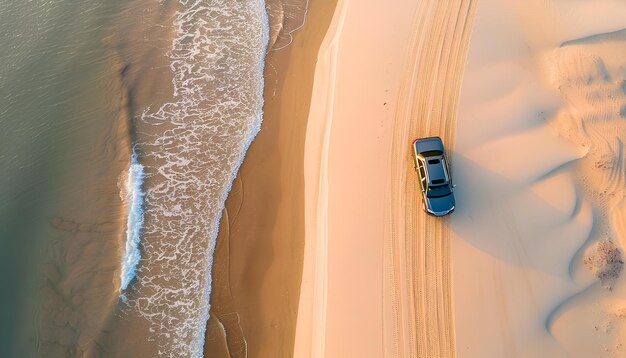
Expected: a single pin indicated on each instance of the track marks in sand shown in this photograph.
(418, 289)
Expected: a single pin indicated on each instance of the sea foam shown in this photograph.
(133, 196)
(191, 151)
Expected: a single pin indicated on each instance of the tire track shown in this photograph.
(417, 259)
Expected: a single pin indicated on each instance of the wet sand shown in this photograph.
(537, 238)
(258, 258)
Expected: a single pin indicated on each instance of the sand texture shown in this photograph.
(372, 260)
(258, 258)
(418, 256)
(538, 234)
(529, 98)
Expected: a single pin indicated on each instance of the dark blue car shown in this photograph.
(434, 176)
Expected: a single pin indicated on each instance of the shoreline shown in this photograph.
(258, 258)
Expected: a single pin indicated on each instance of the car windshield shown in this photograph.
(438, 191)
(431, 153)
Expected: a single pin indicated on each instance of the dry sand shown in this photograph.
(365, 292)
(539, 228)
(417, 260)
(537, 237)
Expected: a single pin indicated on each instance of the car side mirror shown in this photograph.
(454, 185)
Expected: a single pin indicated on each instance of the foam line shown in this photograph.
(134, 198)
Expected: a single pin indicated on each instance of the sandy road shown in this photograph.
(417, 284)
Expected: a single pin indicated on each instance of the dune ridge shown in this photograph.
(538, 234)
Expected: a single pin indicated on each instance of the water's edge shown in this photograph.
(191, 145)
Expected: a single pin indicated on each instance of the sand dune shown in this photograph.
(538, 233)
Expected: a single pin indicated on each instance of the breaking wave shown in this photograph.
(191, 148)
(133, 196)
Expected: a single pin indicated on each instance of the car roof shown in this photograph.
(436, 172)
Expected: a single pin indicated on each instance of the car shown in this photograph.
(433, 174)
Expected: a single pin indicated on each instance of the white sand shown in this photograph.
(541, 179)
(346, 156)
(419, 314)
(541, 219)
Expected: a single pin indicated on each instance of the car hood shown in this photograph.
(440, 205)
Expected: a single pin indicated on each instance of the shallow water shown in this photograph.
(191, 144)
(83, 83)
(59, 122)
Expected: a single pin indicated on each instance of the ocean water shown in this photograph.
(191, 146)
(62, 146)
(122, 126)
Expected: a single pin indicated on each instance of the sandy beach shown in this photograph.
(324, 249)
(341, 196)
(249, 163)
(348, 299)
(533, 253)
(258, 259)
(360, 258)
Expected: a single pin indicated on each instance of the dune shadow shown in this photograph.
(484, 210)
(619, 35)
(559, 309)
